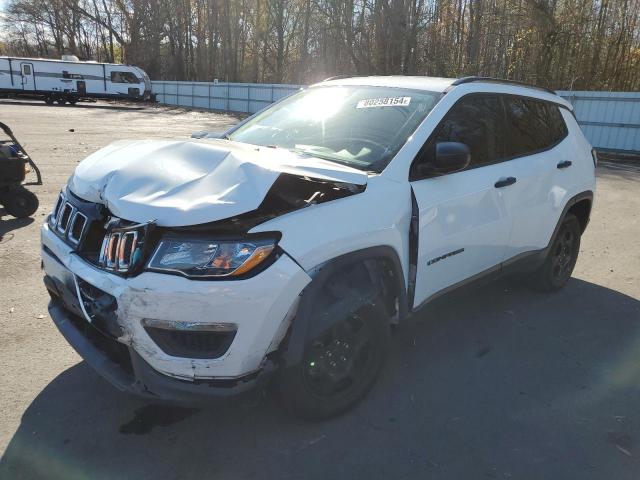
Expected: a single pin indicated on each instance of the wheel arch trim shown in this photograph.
(296, 339)
(586, 195)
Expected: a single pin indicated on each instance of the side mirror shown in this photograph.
(451, 157)
(448, 157)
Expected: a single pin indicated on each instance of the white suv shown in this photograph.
(188, 269)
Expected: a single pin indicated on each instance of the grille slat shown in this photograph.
(64, 217)
(118, 250)
(78, 224)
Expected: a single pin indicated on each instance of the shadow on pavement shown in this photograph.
(623, 169)
(81, 105)
(496, 382)
(9, 223)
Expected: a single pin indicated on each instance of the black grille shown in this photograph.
(79, 223)
(191, 344)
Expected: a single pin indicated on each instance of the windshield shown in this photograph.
(363, 127)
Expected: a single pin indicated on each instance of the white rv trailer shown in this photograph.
(69, 79)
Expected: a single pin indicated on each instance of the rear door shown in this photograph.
(462, 217)
(536, 135)
(28, 76)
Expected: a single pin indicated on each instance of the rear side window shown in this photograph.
(557, 125)
(532, 126)
(476, 121)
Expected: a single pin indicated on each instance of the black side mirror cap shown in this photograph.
(451, 157)
(448, 157)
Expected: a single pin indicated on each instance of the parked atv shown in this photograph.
(15, 164)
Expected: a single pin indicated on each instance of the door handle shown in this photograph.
(564, 164)
(505, 182)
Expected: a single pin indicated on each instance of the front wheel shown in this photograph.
(339, 366)
(556, 270)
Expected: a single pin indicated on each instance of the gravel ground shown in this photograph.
(491, 382)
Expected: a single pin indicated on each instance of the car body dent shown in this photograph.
(267, 300)
(190, 182)
(317, 234)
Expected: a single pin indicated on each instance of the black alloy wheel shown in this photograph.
(341, 358)
(339, 365)
(558, 266)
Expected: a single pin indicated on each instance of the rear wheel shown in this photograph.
(20, 202)
(339, 366)
(561, 258)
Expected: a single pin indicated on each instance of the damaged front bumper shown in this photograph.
(260, 309)
(121, 365)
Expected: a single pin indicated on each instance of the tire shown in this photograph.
(73, 101)
(49, 100)
(339, 367)
(556, 270)
(20, 202)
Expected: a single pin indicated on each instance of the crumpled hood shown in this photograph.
(188, 182)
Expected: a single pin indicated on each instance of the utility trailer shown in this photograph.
(69, 80)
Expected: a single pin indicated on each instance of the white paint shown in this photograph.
(189, 182)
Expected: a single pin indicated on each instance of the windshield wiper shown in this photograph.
(339, 160)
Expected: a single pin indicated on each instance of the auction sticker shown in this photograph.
(384, 102)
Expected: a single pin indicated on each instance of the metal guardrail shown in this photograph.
(610, 120)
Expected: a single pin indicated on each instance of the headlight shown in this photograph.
(209, 258)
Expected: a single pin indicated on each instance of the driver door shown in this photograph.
(462, 216)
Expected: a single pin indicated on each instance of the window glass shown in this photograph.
(359, 126)
(26, 69)
(533, 126)
(124, 77)
(476, 121)
(557, 126)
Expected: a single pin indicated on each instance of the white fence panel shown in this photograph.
(610, 120)
(234, 97)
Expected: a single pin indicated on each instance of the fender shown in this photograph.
(302, 324)
(529, 261)
(586, 195)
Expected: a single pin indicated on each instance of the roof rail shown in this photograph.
(472, 79)
(337, 77)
